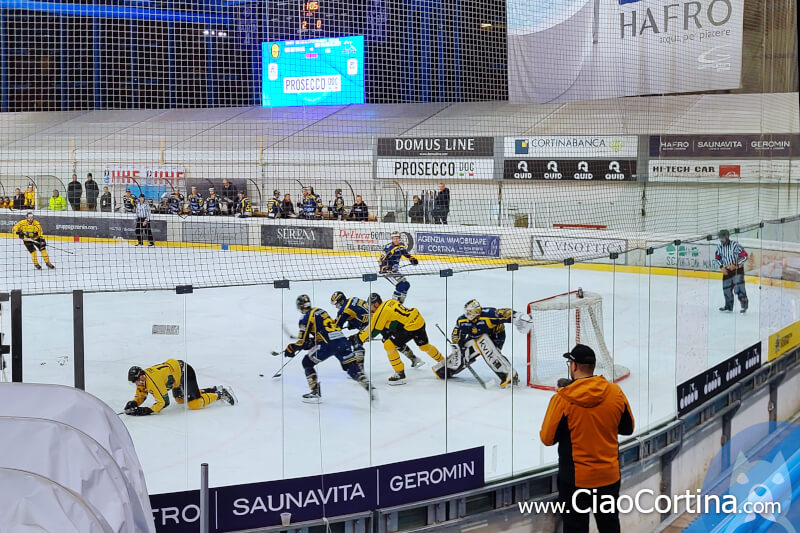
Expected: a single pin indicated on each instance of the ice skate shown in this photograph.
(226, 395)
(315, 396)
(399, 378)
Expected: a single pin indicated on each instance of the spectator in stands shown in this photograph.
(337, 206)
(74, 193)
(274, 205)
(287, 207)
(243, 207)
(30, 197)
(57, 202)
(105, 201)
(128, 202)
(359, 212)
(731, 257)
(584, 417)
(417, 211)
(441, 205)
(92, 192)
(19, 200)
(230, 196)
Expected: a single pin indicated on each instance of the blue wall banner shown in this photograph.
(256, 505)
(458, 244)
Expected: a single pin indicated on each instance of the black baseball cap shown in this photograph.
(581, 354)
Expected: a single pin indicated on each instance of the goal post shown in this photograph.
(559, 323)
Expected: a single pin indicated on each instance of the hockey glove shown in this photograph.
(21, 235)
(289, 351)
(414, 261)
(139, 411)
(131, 405)
(523, 322)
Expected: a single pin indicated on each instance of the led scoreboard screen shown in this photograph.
(305, 72)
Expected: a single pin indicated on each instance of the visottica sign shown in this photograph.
(258, 505)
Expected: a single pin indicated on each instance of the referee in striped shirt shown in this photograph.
(143, 221)
(731, 257)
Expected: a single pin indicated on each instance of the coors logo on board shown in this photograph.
(297, 236)
(436, 146)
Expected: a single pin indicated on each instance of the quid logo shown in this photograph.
(552, 171)
(522, 172)
(757, 478)
(614, 173)
(583, 171)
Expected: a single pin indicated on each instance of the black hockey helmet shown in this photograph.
(303, 302)
(338, 299)
(134, 373)
(724, 234)
(375, 298)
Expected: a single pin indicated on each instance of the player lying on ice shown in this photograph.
(480, 331)
(178, 377)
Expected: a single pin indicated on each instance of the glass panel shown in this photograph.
(662, 296)
(746, 291)
(144, 329)
(694, 305)
(47, 356)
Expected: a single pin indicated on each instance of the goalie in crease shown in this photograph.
(481, 331)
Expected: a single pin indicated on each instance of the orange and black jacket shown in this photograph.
(584, 418)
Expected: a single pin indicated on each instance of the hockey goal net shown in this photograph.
(559, 323)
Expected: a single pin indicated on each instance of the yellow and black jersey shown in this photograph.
(30, 198)
(392, 316)
(490, 322)
(159, 380)
(354, 314)
(316, 327)
(32, 230)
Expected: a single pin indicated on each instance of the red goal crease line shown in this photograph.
(580, 226)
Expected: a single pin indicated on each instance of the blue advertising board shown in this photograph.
(458, 244)
(256, 505)
(309, 72)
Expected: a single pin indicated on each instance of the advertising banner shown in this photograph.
(784, 341)
(722, 170)
(149, 179)
(572, 146)
(589, 49)
(258, 505)
(724, 145)
(598, 170)
(696, 391)
(686, 256)
(215, 232)
(297, 236)
(458, 244)
(415, 147)
(95, 227)
(546, 248)
(359, 240)
(423, 168)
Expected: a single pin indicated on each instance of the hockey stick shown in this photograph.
(49, 245)
(280, 370)
(468, 364)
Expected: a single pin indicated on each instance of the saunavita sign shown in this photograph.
(256, 505)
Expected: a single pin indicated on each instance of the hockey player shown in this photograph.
(30, 231)
(353, 313)
(320, 335)
(178, 377)
(274, 205)
(175, 203)
(308, 206)
(213, 204)
(244, 208)
(399, 325)
(128, 202)
(195, 202)
(481, 331)
(337, 206)
(390, 263)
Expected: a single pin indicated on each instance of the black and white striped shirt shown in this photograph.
(730, 254)
(143, 211)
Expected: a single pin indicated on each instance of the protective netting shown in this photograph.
(485, 132)
(559, 323)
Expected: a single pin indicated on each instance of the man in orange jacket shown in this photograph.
(584, 417)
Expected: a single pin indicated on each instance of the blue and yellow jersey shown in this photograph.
(174, 203)
(338, 205)
(244, 207)
(213, 204)
(316, 327)
(159, 380)
(490, 322)
(195, 202)
(129, 204)
(274, 208)
(354, 314)
(29, 231)
(389, 317)
(390, 258)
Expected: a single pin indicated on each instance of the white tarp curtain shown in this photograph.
(40, 504)
(73, 459)
(564, 50)
(95, 427)
(82, 411)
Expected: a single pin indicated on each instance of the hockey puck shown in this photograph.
(261, 375)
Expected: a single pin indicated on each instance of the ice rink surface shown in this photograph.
(665, 328)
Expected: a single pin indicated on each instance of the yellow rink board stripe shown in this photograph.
(599, 267)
